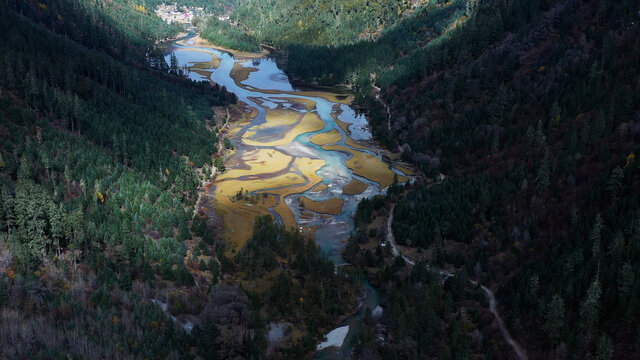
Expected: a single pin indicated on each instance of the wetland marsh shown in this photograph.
(305, 157)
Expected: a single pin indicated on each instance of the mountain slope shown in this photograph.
(104, 248)
(536, 128)
(101, 157)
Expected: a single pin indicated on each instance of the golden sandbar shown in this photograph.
(259, 161)
(331, 206)
(306, 166)
(310, 122)
(354, 187)
(199, 41)
(326, 138)
(308, 104)
(405, 170)
(240, 73)
(368, 166)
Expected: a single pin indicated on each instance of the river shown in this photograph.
(304, 156)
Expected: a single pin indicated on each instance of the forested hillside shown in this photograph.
(104, 248)
(284, 23)
(523, 117)
(530, 110)
(120, 28)
(101, 158)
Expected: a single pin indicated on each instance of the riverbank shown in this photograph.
(200, 42)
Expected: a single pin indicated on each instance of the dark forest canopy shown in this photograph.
(104, 148)
(528, 109)
(101, 158)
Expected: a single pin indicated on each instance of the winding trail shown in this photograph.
(493, 307)
(386, 107)
(392, 241)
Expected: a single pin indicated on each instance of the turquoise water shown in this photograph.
(355, 322)
(268, 76)
(331, 231)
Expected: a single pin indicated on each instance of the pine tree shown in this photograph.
(174, 63)
(626, 279)
(604, 350)
(55, 221)
(555, 324)
(77, 228)
(555, 114)
(4, 291)
(544, 170)
(615, 181)
(7, 212)
(534, 285)
(600, 125)
(540, 137)
(25, 172)
(585, 132)
(595, 236)
(31, 218)
(589, 311)
(471, 6)
(10, 78)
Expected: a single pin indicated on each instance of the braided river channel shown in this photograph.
(304, 156)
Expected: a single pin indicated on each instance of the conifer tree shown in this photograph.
(554, 319)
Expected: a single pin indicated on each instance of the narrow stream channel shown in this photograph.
(279, 161)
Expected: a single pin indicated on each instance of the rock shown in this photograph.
(334, 338)
(377, 312)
